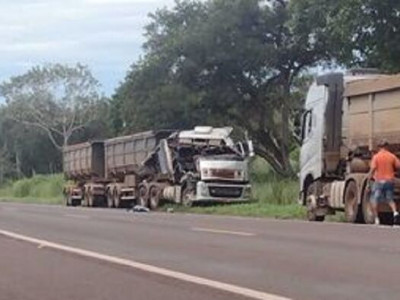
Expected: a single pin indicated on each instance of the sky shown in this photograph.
(105, 35)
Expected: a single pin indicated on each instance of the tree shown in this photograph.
(58, 99)
(235, 62)
(364, 33)
(25, 151)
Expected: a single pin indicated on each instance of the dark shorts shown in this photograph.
(382, 190)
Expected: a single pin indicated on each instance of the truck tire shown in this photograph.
(90, 199)
(143, 195)
(187, 196)
(311, 210)
(352, 209)
(117, 199)
(85, 197)
(110, 200)
(154, 197)
(67, 198)
(368, 216)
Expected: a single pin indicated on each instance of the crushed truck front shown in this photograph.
(221, 167)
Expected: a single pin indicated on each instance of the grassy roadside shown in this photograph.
(273, 197)
(41, 189)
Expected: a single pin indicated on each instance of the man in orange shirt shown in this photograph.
(383, 169)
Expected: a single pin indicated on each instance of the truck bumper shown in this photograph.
(218, 192)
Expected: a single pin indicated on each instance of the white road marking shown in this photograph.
(250, 293)
(211, 230)
(77, 216)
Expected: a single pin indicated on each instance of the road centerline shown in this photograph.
(221, 231)
(230, 288)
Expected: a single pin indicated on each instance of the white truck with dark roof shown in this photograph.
(345, 118)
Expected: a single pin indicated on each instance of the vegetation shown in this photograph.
(38, 189)
(250, 71)
(242, 71)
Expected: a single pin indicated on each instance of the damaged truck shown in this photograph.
(200, 165)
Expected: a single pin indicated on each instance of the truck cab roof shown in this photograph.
(206, 135)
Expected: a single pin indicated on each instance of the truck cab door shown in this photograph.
(311, 162)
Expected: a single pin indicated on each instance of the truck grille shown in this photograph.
(226, 192)
(223, 173)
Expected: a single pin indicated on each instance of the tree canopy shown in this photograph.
(224, 62)
(57, 99)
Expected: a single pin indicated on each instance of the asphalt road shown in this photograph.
(292, 259)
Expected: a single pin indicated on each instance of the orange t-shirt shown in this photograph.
(385, 164)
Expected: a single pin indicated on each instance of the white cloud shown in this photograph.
(104, 34)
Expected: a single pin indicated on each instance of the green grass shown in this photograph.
(38, 189)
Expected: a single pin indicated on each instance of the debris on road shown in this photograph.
(140, 208)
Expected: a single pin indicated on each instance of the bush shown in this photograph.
(269, 188)
(40, 187)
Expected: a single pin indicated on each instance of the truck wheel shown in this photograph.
(110, 200)
(352, 210)
(311, 212)
(368, 216)
(85, 198)
(67, 199)
(116, 197)
(90, 199)
(187, 197)
(143, 198)
(154, 197)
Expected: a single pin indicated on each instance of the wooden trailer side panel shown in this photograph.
(373, 116)
(125, 155)
(84, 161)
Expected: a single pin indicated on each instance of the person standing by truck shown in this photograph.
(383, 169)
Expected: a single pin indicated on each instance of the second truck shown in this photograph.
(183, 167)
(345, 118)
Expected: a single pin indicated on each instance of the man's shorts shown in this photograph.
(382, 190)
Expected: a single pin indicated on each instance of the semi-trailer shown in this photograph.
(145, 168)
(345, 118)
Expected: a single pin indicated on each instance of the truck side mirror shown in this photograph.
(246, 148)
(251, 152)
